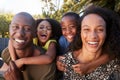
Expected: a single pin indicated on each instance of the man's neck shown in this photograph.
(25, 52)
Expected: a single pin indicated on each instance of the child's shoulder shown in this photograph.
(62, 38)
(51, 40)
(39, 50)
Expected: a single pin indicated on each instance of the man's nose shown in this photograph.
(21, 32)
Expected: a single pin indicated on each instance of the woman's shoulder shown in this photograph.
(116, 66)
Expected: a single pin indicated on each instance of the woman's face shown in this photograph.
(68, 28)
(44, 31)
(93, 32)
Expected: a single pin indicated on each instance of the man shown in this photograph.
(22, 31)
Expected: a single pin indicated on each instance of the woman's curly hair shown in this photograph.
(112, 41)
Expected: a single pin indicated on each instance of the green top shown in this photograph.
(48, 43)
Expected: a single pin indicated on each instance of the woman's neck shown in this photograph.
(85, 56)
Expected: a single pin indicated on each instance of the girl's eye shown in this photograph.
(41, 27)
(48, 28)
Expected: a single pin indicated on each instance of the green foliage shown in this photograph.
(53, 9)
(37, 16)
(5, 20)
(77, 6)
(111, 4)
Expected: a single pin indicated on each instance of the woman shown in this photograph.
(97, 35)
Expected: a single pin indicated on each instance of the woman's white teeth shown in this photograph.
(92, 42)
(20, 41)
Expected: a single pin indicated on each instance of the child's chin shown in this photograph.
(69, 41)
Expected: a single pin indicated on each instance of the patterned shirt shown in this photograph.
(48, 43)
(108, 71)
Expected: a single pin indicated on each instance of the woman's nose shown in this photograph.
(93, 34)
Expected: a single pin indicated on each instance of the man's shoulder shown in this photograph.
(6, 55)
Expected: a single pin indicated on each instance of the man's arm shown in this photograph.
(13, 73)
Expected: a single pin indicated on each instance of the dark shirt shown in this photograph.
(34, 72)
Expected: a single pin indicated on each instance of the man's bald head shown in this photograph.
(26, 16)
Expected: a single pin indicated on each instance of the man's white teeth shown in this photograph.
(92, 42)
(20, 41)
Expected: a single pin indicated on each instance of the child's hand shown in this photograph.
(12, 51)
(60, 65)
(19, 63)
(80, 68)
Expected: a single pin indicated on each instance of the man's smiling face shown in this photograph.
(21, 32)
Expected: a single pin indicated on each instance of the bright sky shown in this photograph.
(15, 6)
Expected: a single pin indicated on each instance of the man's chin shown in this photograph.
(18, 48)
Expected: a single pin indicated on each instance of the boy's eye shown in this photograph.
(72, 26)
(69, 27)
